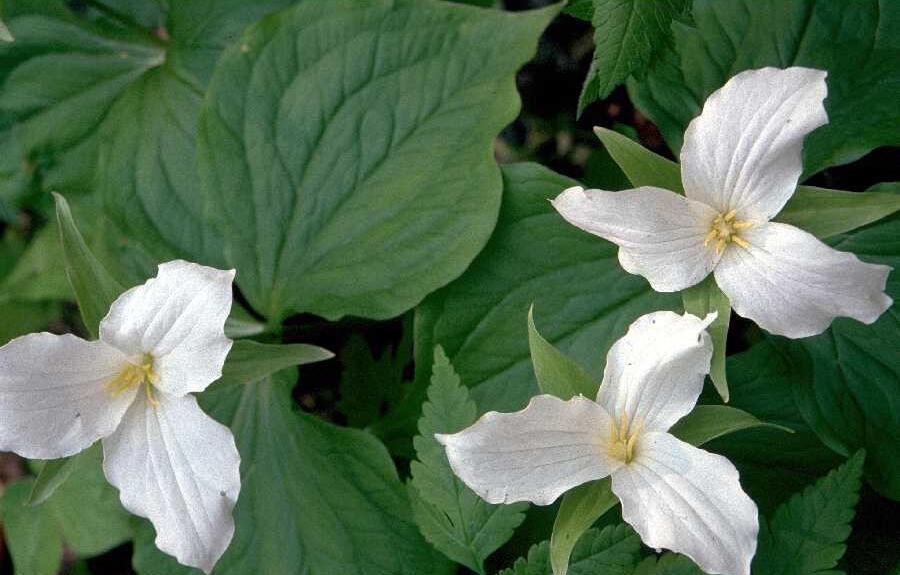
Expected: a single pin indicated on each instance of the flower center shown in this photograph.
(622, 439)
(724, 229)
(132, 375)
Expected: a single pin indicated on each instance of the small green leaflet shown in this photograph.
(95, 290)
(32, 535)
(53, 474)
(612, 551)
(450, 515)
(806, 536)
(250, 361)
(556, 373)
(627, 33)
(700, 300)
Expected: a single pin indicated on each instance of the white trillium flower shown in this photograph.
(740, 163)
(159, 343)
(675, 495)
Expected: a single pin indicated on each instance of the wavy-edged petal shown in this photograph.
(178, 467)
(655, 372)
(660, 234)
(792, 284)
(179, 318)
(680, 497)
(535, 454)
(745, 150)
(53, 402)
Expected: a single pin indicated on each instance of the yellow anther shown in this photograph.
(724, 229)
(622, 440)
(132, 375)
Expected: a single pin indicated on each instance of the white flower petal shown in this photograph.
(535, 454)
(655, 372)
(659, 233)
(178, 467)
(52, 397)
(792, 284)
(744, 151)
(680, 497)
(178, 317)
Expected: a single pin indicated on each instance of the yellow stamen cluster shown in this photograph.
(622, 439)
(132, 375)
(725, 229)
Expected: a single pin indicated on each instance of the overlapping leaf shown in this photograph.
(855, 42)
(347, 149)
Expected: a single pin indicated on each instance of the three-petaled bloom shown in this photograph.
(159, 343)
(740, 163)
(675, 495)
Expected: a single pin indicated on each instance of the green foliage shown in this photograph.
(585, 299)
(578, 510)
(627, 34)
(250, 361)
(806, 536)
(700, 300)
(306, 154)
(31, 533)
(84, 513)
(825, 213)
(315, 498)
(848, 395)
(450, 515)
(611, 551)
(556, 373)
(854, 41)
(369, 384)
(94, 288)
(53, 474)
(667, 564)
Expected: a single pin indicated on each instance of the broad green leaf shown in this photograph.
(450, 515)
(667, 564)
(250, 361)
(643, 167)
(556, 373)
(586, 300)
(31, 533)
(825, 213)
(582, 506)
(849, 395)
(806, 536)
(578, 510)
(612, 551)
(53, 474)
(94, 288)
(853, 41)
(114, 104)
(704, 298)
(627, 33)
(708, 422)
(356, 175)
(241, 324)
(316, 499)
(61, 77)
